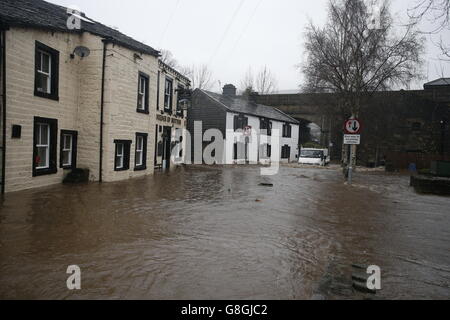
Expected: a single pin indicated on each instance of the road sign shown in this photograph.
(352, 139)
(353, 126)
(248, 131)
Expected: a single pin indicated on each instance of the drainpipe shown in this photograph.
(102, 108)
(3, 77)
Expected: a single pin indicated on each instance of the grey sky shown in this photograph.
(232, 35)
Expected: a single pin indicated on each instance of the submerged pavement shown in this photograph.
(216, 233)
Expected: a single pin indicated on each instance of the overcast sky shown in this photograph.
(233, 35)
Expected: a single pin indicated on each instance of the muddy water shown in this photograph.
(214, 233)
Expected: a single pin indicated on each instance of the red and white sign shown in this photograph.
(353, 126)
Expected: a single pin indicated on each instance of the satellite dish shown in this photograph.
(82, 52)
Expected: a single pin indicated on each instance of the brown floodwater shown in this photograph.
(215, 233)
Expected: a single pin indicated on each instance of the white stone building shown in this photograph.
(252, 133)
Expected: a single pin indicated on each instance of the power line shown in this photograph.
(250, 19)
(226, 31)
(161, 42)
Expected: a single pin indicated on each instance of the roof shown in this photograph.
(442, 82)
(178, 74)
(40, 14)
(239, 104)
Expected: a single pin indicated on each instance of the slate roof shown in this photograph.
(239, 104)
(443, 82)
(44, 15)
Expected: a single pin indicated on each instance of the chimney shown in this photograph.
(253, 97)
(229, 90)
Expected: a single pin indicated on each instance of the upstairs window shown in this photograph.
(143, 93)
(180, 93)
(287, 130)
(168, 95)
(141, 151)
(44, 151)
(266, 125)
(240, 122)
(46, 72)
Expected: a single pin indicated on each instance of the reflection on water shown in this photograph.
(215, 233)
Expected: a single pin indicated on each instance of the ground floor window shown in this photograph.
(68, 149)
(141, 151)
(44, 149)
(122, 155)
(286, 152)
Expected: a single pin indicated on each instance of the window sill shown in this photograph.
(142, 111)
(44, 95)
(44, 172)
(141, 168)
(121, 169)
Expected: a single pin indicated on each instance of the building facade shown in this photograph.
(252, 133)
(76, 98)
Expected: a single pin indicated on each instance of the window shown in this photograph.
(266, 125)
(68, 149)
(287, 130)
(180, 93)
(141, 151)
(46, 72)
(122, 156)
(44, 151)
(168, 95)
(143, 93)
(240, 122)
(286, 152)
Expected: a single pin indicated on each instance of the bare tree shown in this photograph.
(437, 12)
(248, 82)
(168, 58)
(356, 54)
(265, 82)
(350, 58)
(200, 75)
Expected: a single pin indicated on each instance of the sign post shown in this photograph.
(352, 137)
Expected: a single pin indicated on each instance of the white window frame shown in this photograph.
(49, 74)
(142, 90)
(121, 156)
(139, 151)
(169, 94)
(70, 150)
(40, 145)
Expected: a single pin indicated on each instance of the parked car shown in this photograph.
(319, 157)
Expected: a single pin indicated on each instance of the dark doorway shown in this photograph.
(167, 137)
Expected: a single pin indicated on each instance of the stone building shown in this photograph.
(250, 131)
(74, 97)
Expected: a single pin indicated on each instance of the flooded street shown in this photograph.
(215, 233)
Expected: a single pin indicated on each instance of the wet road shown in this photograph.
(214, 233)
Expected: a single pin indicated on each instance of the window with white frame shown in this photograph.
(67, 150)
(122, 155)
(143, 93)
(168, 95)
(141, 151)
(43, 70)
(46, 72)
(43, 146)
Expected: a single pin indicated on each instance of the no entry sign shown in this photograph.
(353, 126)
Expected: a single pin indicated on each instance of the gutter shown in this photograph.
(3, 77)
(102, 109)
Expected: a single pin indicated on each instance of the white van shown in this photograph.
(318, 157)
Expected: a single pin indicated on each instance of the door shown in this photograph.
(167, 139)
